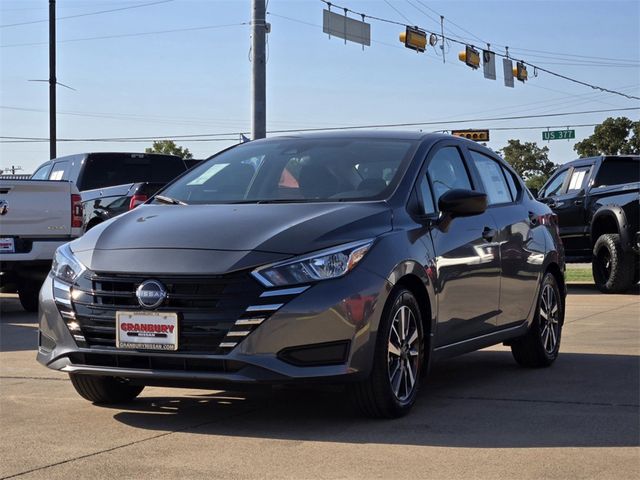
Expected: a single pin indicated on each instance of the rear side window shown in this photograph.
(578, 177)
(493, 179)
(59, 171)
(42, 173)
(108, 169)
(447, 171)
(618, 171)
(514, 183)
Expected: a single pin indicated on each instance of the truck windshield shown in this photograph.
(110, 169)
(297, 170)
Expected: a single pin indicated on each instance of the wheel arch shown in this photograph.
(610, 219)
(415, 285)
(418, 280)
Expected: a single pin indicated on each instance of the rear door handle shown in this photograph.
(488, 233)
(578, 202)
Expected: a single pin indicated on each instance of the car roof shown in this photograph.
(382, 134)
(580, 162)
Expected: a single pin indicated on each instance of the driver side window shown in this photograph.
(555, 185)
(447, 171)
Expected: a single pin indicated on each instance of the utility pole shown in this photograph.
(258, 70)
(52, 78)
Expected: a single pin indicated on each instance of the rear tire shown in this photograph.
(104, 390)
(541, 345)
(391, 389)
(613, 268)
(28, 297)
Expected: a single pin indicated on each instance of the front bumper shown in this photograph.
(330, 316)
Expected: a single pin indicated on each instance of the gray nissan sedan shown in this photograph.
(359, 258)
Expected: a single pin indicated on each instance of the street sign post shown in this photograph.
(558, 135)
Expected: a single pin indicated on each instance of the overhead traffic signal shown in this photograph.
(414, 38)
(520, 72)
(475, 135)
(470, 56)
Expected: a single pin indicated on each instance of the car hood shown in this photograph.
(221, 238)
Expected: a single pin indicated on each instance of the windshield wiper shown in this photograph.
(169, 200)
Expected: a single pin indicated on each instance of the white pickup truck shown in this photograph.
(36, 217)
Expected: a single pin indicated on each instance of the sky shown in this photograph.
(196, 80)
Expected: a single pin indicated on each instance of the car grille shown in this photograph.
(214, 313)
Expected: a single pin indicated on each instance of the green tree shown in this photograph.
(612, 137)
(529, 161)
(169, 147)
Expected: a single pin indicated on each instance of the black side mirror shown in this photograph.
(534, 192)
(462, 203)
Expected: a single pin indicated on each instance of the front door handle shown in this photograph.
(488, 233)
(578, 202)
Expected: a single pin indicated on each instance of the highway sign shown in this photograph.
(558, 135)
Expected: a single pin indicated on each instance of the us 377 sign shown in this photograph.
(558, 134)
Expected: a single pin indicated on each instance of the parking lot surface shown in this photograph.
(478, 416)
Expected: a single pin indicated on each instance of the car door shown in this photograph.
(519, 251)
(467, 259)
(568, 203)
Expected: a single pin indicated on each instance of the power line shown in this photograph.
(460, 42)
(211, 136)
(135, 34)
(397, 10)
(556, 54)
(88, 13)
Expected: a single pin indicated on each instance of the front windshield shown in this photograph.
(297, 170)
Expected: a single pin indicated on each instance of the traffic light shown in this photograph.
(475, 135)
(414, 38)
(520, 72)
(470, 56)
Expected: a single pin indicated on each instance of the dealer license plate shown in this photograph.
(7, 245)
(147, 330)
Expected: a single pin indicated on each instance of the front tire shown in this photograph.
(541, 345)
(391, 389)
(613, 268)
(104, 390)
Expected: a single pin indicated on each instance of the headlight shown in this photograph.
(66, 266)
(323, 265)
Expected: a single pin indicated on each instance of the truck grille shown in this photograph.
(211, 310)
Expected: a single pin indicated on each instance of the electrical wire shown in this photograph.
(88, 13)
(212, 136)
(460, 42)
(397, 10)
(136, 34)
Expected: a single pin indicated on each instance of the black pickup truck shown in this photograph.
(597, 201)
(112, 183)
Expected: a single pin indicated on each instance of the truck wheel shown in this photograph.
(541, 345)
(104, 390)
(613, 268)
(28, 297)
(392, 386)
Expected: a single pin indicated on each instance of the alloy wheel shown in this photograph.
(403, 353)
(549, 313)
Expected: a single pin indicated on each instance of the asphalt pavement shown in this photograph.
(478, 416)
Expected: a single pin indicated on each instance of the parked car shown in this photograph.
(36, 217)
(357, 257)
(597, 201)
(113, 183)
